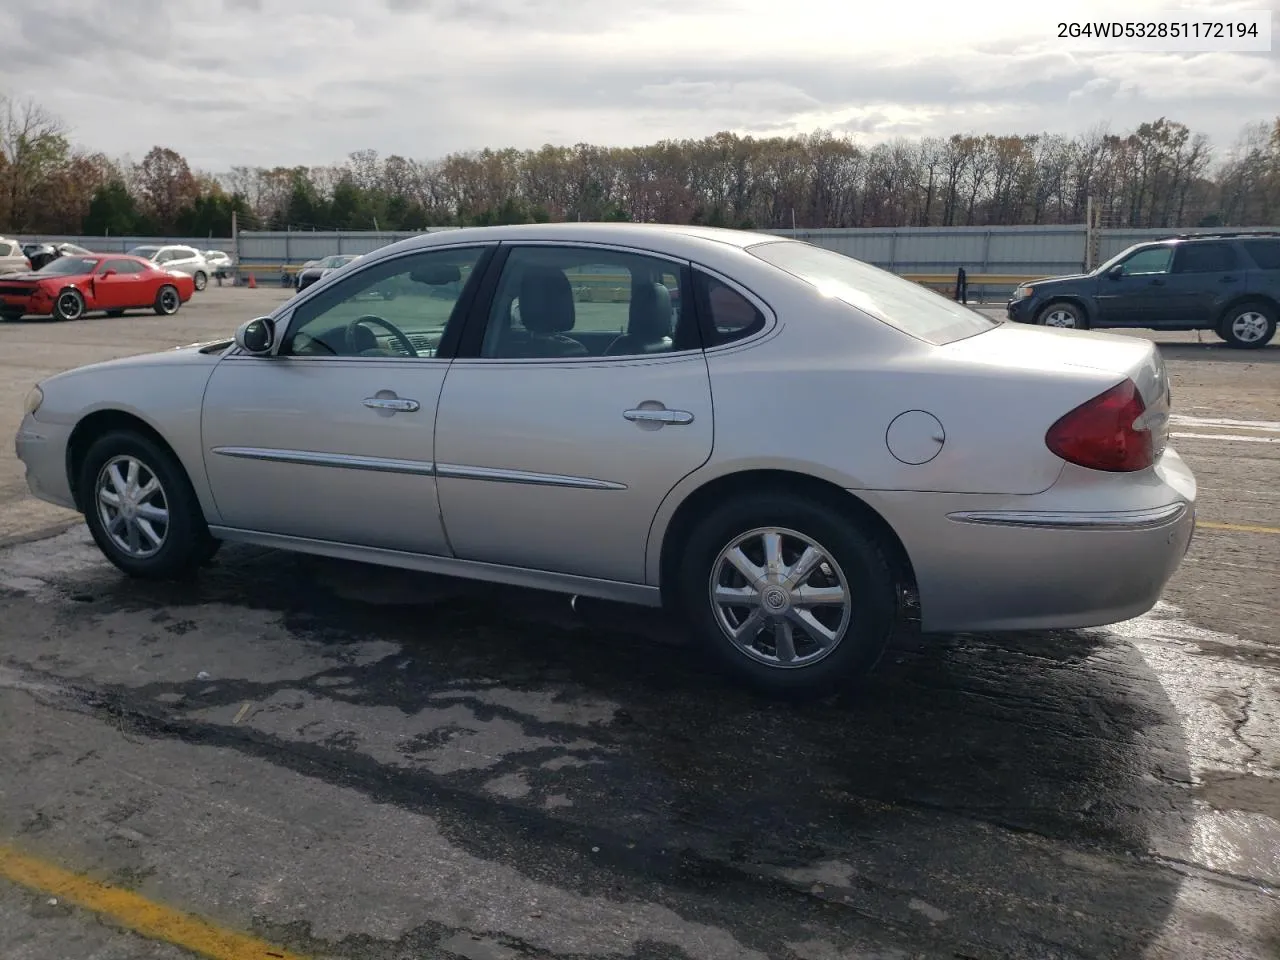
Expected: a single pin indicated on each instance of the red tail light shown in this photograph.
(1104, 433)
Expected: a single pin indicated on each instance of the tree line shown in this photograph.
(1161, 174)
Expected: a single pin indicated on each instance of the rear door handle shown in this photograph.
(658, 416)
(395, 404)
(1228, 280)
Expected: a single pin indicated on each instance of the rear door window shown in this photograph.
(1264, 253)
(1204, 258)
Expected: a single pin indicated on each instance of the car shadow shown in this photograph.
(1014, 783)
(1218, 352)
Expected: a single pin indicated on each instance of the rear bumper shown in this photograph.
(1044, 565)
(42, 448)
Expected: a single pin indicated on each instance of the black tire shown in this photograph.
(1254, 319)
(857, 555)
(115, 313)
(167, 300)
(1051, 313)
(201, 279)
(185, 540)
(69, 305)
(10, 316)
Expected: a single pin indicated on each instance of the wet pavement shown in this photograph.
(356, 762)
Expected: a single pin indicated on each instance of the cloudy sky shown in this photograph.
(266, 82)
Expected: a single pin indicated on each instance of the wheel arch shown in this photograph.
(718, 489)
(94, 425)
(1245, 298)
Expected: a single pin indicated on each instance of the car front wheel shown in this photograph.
(141, 509)
(1062, 314)
(1248, 326)
(788, 594)
(68, 306)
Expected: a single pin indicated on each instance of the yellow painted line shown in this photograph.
(153, 920)
(1238, 527)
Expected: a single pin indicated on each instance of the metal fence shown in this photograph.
(1026, 251)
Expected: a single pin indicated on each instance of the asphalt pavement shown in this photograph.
(299, 757)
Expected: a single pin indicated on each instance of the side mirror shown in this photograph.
(1116, 272)
(256, 336)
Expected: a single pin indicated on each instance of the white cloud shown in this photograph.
(284, 82)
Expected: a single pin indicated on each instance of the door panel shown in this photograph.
(551, 451)
(538, 465)
(1134, 299)
(332, 438)
(119, 290)
(291, 447)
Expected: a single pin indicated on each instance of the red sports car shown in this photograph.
(71, 286)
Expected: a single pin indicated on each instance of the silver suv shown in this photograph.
(12, 259)
(180, 259)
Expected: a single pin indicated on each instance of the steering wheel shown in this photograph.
(350, 334)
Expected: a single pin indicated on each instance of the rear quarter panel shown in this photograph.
(817, 396)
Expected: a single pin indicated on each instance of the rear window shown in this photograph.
(900, 303)
(1265, 253)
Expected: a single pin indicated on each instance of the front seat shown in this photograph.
(648, 322)
(547, 312)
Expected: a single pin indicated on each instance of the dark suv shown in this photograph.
(1227, 283)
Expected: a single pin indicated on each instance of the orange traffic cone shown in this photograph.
(253, 282)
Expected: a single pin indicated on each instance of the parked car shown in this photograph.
(12, 259)
(70, 287)
(322, 268)
(1006, 477)
(220, 263)
(40, 254)
(1227, 283)
(178, 259)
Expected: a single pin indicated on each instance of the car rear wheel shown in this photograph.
(1062, 314)
(10, 315)
(201, 279)
(68, 306)
(1248, 326)
(141, 509)
(788, 594)
(167, 300)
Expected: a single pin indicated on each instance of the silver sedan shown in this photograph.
(778, 442)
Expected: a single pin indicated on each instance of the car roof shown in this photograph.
(679, 240)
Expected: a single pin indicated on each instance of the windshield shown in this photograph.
(903, 304)
(67, 266)
(147, 252)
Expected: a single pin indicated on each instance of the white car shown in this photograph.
(220, 262)
(177, 258)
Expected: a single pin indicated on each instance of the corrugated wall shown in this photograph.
(1026, 250)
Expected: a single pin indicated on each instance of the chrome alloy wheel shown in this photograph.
(1058, 317)
(780, 597)
(1249, 326)
(132, 506)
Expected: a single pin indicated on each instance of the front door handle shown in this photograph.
(659, 415)
(1228, 280)
(395, 404)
